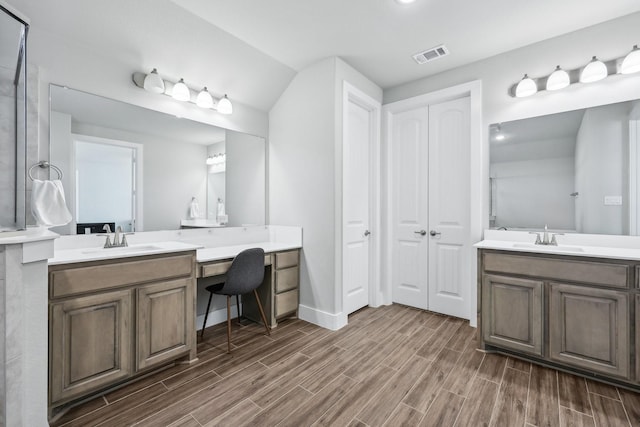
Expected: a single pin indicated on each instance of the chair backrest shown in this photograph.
(246, 272)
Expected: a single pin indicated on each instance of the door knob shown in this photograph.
(366, 233)
(434, 233)
(421, 232)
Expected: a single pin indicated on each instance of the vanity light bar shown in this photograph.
(593, 71)
(152, 82)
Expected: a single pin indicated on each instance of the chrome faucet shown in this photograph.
(545, 237)
(117, 243)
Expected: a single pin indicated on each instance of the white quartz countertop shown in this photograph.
(562, 249)
(68, 256)
(226, 252)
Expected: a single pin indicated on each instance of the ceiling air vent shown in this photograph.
(431, 54)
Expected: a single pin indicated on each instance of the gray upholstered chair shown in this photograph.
(245, 275)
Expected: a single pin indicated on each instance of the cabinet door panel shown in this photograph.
(90, 343)
(165, 319)
(513, 310)
(588, 328)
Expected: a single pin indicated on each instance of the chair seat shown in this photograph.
(215, 288)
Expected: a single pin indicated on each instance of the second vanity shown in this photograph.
(573, 307)
(118, 313)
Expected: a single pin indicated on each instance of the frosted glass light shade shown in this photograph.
(526, 87)
(204, 99)
(594, 71)
(631, 63)
(224, 106)
(153, 82)
(181, 91)
(559, 79)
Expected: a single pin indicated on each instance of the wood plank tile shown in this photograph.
(319, 403)
(631, 402)
(444, 411)
(107, 412)
(277, 412)
(187, 421)
(408, 348)
(459, 381)
(542, 405)
(435, 321)
(436, 342)
(428, 385)
(569, 418)
(357, 423)
(79, 411)
(236, 415)
(492, 367)
(572, 392)
(510, 407)
(461, 338)
(404, 416)
(519, 364)
(478, 406)
(381, 406)
(161, 402)
(289, 349)
(608, 412)
(359, 371)
(346, 409)
(602, 389)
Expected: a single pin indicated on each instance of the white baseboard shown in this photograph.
(217, 316)
(322, 318)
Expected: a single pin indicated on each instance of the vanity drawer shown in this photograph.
(286, 302)
(219, 268)
(286, 279)
(588, 272)
(286, 259)
(72, 281)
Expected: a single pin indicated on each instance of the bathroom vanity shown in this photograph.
(118, 313)
(566, 307)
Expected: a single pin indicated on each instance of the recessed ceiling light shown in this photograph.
(405, 1)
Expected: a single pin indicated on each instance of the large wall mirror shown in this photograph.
(576, 171)
(143, 170)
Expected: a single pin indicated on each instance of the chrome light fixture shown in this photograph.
(593, 71)
(153, 82)
(180, 91)
(204, 99)
(559, 79)
(526, 87)
(224, 106)
(631, 62)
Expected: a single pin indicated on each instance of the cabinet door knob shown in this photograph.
(421, 232)
(366, 233)
(433, 233)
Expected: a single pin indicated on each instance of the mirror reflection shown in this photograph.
(575, 171)
(145, 170)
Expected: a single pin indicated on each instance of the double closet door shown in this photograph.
(430, 214)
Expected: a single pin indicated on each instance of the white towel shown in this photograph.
(47, 203)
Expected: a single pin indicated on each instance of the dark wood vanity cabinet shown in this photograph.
(112, 320)
(581, 314)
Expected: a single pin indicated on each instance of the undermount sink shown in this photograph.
(549, 248)
(123, 250)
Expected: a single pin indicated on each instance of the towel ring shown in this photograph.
(45, 164)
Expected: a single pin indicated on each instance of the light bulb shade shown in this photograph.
(526, 87)
(593, 71)
(631, 63)
(153, 82)
(210, 160)
(181, 91)
(559, 79)
(204, 99)
(224, 106)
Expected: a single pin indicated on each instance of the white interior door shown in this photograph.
(449, 206)
(358, 134)
(409, 216)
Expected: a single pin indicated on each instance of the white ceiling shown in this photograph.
(378, 37)
(251, 49)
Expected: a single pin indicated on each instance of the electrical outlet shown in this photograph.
(612, 200)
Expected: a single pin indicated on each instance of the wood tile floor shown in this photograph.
(391, 366)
